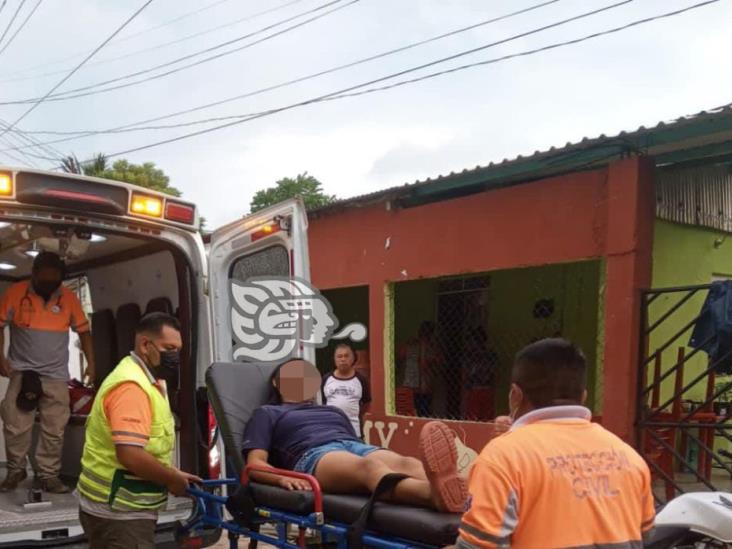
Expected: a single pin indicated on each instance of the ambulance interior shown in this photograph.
(118, 277)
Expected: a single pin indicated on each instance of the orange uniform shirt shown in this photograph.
(39, 330)
(129, 412)
(556, 480)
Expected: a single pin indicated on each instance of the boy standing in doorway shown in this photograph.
(347, 389)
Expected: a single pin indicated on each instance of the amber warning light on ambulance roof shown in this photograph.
(149, 206)
(6, 184)
(265, 230)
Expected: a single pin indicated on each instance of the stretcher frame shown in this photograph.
(210, 513)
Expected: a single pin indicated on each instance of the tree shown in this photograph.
(145, 175)
(305, 186)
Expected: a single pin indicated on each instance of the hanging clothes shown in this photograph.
(713, 330)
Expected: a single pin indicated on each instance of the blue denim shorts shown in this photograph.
(309, 460)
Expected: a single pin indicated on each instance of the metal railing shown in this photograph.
(668, 429)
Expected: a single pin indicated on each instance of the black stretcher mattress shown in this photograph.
(401, 521)
(236, 390)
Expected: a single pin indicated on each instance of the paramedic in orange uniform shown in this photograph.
(39, 313)
(556, 480)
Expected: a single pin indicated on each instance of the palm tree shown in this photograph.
(95, 167)
(71, 164)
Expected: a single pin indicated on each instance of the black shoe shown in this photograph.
(13, 479)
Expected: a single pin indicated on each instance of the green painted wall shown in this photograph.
(512, 325)
(684, 255)
(574, 287)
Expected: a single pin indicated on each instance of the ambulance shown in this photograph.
(129, 251)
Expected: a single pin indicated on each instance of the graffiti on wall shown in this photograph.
(402, 435)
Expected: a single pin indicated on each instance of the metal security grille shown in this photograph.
(455, 338)
(683, 407)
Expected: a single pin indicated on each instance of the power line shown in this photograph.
(395, 75)
(46, 148)
(352, 90)
(65, 95)
(124, 38)
(20, 28)
(345, 92)
(327, 71)
(162, 45)
(12, 20)
(31, 143)
(70, 74)
(29, 157)
(2, 6)
(308, 77)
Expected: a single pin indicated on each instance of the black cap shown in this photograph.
(30, 391)
(49, 260)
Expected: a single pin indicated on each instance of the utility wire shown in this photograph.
(2, 6)
(65, 95)
(351, 91)
(310, 76)
(395, 75)
(70, 74)
(347, 90)
(122, 39)
(29, 157)
(46, 148)
(12, 20)
(20, 28)
(162, 45)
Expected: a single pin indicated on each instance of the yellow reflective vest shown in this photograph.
(103, 479)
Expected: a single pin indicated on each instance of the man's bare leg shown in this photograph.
(344, 473)
(400, 464)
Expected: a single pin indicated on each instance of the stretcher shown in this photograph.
(242, 507)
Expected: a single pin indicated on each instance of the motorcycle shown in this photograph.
(697, 520)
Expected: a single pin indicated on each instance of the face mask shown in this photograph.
(170, 359)
(45, 288)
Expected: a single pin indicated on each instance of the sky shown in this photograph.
(356, 145)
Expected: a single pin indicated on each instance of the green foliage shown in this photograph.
(145, 175)
(304, 186)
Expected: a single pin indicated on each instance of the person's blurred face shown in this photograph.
(344, 359)
(298, 381)
(46, 281)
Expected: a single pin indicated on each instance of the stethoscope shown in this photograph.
(55, 309)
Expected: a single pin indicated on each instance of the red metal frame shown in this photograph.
(314, 485)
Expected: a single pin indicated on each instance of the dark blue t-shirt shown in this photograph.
(287, 431)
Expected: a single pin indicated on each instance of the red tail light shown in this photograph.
(214, 456)
(182, 213)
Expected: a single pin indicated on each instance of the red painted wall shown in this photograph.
(603, 213)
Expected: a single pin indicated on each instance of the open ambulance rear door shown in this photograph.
(254, 266)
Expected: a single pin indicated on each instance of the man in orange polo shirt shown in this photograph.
(556, 480)
(127, 465)
(40, 313)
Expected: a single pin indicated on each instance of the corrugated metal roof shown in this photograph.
(701, 195)
(702, 135)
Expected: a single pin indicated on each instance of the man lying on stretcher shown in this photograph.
(296, 434)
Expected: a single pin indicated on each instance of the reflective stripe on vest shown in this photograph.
(103, 479)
